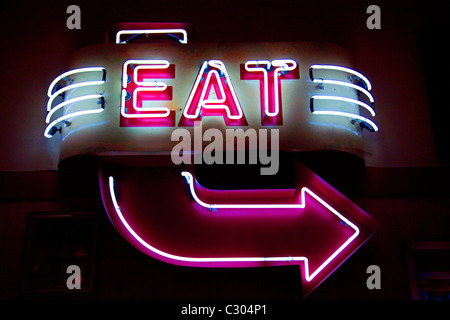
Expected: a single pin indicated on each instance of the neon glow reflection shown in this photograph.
(308, 276)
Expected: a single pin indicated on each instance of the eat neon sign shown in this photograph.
(212, 93)
(140, 91)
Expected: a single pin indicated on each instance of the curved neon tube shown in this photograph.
(344, 69)
(348, 115)
(70, 101)
(69, 116)
(70, 87)
(152, 31)
(189, 179)
(347, 84)
(308, 276)
(360, 103)
(70, 72)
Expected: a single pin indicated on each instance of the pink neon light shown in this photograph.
(213, 74)
(270, 74)
(199, 261)
(139, 84)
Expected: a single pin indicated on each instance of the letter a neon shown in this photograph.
(213, 75)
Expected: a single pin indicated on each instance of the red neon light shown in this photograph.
(138, 90)
(165, 221)
(213, 75)
(268, 120)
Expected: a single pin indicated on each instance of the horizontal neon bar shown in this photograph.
(360, 103)
(349, 115)
(346, 84)
(70, 101)
(71, 72)
(344, 69)
(152, 31)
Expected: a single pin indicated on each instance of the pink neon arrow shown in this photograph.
(185, 226)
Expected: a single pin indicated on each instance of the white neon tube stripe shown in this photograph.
(346, 84)
(149, 64)
(349, 115)
(69, 116)
(70, 72)
(70, 101)
(344, 69)
(360, 103)
(308, 276)
(70, 87)
(142, 115)
(190, 182)
(152, 31)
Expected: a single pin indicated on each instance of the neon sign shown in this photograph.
(135, 33)
(142, 88)
(248, 228)
(272, 72)
(213, 75)
(151, 89)
(227, 103)
(363, 86)
(226, 99)
(56, 90)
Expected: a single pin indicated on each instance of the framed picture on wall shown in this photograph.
(59, 252)
(429, 270)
